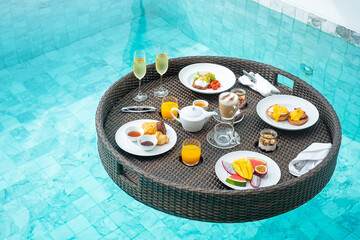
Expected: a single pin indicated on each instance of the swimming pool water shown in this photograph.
(52, 183)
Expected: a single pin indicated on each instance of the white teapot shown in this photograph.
(193, 118)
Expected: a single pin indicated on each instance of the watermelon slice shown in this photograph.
(236, 180)
(256, 161)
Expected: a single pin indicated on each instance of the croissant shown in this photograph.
(149, 128)
(162, 139)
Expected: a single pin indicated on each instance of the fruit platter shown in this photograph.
(242, 170)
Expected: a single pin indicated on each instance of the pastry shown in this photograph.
(162, 138)
(160, 126)
(149, 128)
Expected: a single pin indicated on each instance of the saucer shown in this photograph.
(238, 117)
(211, 140)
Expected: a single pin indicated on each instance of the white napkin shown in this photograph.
(309, 158)
(263, 86)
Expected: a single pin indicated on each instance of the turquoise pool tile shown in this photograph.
(146, 235)
(164, 232)
(104, 226)
(122, 215)
(84, 203)
(132, 228)
(61, 232)
(351, 236)
(322, 235)
(337, 231)
(171, 221)
(117, 234)
(88, 234)
(78, 224)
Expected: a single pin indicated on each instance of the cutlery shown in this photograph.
(252, 78)
(138, 109)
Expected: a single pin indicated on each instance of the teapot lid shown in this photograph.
(191, 112)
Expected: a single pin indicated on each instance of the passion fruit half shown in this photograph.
(261, 170)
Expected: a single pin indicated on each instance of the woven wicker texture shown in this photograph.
(163, 182)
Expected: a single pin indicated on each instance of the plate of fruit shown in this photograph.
(243, 170)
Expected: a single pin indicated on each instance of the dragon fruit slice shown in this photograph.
(255, 181)
(228, 167)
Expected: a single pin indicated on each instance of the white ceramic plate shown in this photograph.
(290, 102)
(271, 178)
(132, 147)
(224, 75)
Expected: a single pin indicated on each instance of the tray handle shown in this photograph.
(127, 177)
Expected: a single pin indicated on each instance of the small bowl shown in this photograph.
(199, 101)
(147, 138)
(134, 128)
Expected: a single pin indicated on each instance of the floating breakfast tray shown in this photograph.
(166, 184)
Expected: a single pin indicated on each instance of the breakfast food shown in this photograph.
(241, 97)
(260, 170)
(245, 169)
(205, 81)
(236, 180)
(257, 162)
(160, 126)
(149, 128)
(298, 117)
(255, 181)
(228, 167)
(280, 113)
(158, 129)
(162, 138)
(267, 140)
(277, 112)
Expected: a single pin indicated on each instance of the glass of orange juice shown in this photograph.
(169, 103)
(191, 152)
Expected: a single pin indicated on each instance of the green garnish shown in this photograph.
(208, 77)
(198, 76)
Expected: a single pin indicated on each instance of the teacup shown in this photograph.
(201, 103)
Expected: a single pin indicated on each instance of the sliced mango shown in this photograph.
(244, 168)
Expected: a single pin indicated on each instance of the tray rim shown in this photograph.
(336, 141)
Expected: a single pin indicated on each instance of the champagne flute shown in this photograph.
(139, 72)
(161, 67)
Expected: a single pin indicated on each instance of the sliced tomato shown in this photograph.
(214, 87)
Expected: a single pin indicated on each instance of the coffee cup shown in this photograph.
(228, 105)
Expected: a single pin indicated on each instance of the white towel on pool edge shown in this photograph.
(309, 158)
(263, 86)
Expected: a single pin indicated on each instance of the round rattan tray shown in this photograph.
(166, 184)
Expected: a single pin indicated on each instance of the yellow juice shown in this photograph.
(190, 154)
(166, 108)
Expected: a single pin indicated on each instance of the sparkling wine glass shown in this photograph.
(161, 67)
(139, 72)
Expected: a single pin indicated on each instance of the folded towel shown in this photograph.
(309, 158)
(263, 86)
